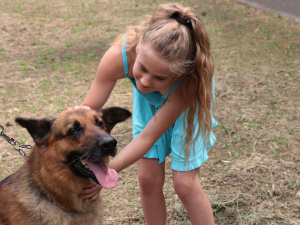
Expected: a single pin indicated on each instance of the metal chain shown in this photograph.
(15, 144)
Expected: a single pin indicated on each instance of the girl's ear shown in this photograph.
(137, 48)
(177, 77)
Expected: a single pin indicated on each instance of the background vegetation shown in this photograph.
(49, 52)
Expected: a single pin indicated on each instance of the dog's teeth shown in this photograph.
(83, 162)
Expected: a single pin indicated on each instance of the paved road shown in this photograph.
(285, 8)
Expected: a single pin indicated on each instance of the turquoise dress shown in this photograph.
(172, 141)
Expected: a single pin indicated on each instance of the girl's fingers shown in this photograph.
(90, 192)
(93, 198)
(81, 106)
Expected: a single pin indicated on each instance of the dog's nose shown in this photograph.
(108, 144)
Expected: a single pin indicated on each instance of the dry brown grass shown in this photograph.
(49, 52)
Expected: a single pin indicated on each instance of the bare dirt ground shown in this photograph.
(49, 52)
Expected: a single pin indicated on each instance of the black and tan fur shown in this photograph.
(46, 189)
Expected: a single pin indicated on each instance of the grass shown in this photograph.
(49, 53)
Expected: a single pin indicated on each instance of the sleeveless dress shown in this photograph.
(172, 141)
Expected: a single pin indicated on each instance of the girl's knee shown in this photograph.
(181, 188)
(150, 182)
(151, 176)
(146, 179)
(187, 186)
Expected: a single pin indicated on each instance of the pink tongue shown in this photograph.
(106, 177)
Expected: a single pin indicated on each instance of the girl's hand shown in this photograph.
(90, 192)
(75, 108)
(81, 106)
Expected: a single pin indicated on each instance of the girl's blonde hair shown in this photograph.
(187, 50)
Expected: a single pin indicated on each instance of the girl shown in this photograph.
(167, 58)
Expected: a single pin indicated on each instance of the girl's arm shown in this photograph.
(109, 70)
(156, 127)
(139, 146)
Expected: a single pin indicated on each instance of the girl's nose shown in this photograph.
(145, 81)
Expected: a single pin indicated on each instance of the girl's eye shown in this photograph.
(143, 68)
(160, 78)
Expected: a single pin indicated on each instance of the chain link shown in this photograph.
(15, 144)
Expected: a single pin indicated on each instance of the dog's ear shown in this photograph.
(37, 128)
(114, 115)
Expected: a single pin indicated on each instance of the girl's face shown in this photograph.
(151, 71)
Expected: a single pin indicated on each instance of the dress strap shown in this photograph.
(124, 56)
(176, 85)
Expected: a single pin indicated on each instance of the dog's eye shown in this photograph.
(72, 131)
(76, 129)
(100, 123)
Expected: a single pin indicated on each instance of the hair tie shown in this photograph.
(189, 25)
(184, 22)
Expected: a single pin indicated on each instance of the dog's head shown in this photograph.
(80, 139)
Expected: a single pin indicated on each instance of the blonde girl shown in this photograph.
(167, 58)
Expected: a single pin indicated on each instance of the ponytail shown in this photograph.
(178, 35)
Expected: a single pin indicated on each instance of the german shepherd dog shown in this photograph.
(70, 151)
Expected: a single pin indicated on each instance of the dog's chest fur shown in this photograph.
(47, 188)
(37, 208)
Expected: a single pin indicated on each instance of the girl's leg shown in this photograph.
(188, 188)
(151, 178)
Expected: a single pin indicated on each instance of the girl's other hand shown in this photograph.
(90, 192)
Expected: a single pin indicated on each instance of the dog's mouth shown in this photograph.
(105, 176)
(96, 170)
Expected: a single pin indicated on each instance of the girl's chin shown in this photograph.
(144, 90)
